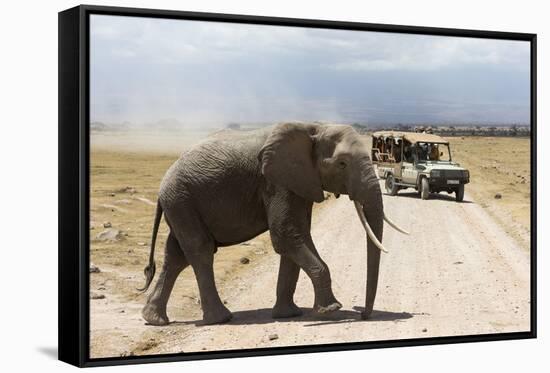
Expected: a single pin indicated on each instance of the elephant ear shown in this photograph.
(287, 160)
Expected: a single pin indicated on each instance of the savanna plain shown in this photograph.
(463, 270)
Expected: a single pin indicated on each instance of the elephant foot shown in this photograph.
(218, 316)
(328, 308)
(325, 302)
(281, 311)
(154, 316)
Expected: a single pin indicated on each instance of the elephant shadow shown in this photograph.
(263, 316)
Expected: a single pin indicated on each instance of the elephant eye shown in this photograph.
(342, 164)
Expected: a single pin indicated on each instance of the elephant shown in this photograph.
(236, 185)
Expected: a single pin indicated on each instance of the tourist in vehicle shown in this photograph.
(434, 152)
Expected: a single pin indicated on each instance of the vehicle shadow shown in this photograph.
(263, 316)
(435, 196)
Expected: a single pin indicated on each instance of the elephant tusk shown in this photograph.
(394, 226)
(367, 227)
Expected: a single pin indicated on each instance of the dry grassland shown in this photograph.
(499, 166)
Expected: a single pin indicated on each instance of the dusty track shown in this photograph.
(458, 273)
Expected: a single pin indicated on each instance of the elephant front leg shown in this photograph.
(319, 273)
(286, 286)
(289, 219)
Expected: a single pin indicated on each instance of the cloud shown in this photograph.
(424, 53)
(144, 69)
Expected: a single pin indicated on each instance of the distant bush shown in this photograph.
(360, 128)
(234, 126)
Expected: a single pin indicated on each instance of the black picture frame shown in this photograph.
(74, 163)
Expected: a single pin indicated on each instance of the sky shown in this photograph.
(143, 70)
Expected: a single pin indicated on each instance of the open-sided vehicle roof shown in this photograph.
(412, 137)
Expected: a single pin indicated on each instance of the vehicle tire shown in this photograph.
(424, 188)
(459, 194)
(391, 188)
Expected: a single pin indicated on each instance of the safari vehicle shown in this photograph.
(417, 160)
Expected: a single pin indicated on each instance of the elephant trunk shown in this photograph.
(372, 211)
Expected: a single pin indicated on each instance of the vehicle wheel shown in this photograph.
(460, 193)
(424, 189)
(391, 188)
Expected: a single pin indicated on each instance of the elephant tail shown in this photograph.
(150, 269)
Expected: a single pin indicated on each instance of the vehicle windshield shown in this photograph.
(430, 152)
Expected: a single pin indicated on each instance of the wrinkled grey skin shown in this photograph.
(238, 184)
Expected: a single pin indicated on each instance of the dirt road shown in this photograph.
(458, 273)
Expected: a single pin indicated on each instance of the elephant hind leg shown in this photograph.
(175, 261)
(214, 312)
(199, 248)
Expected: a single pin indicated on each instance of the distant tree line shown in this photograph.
(462, 130)
(511, 131)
